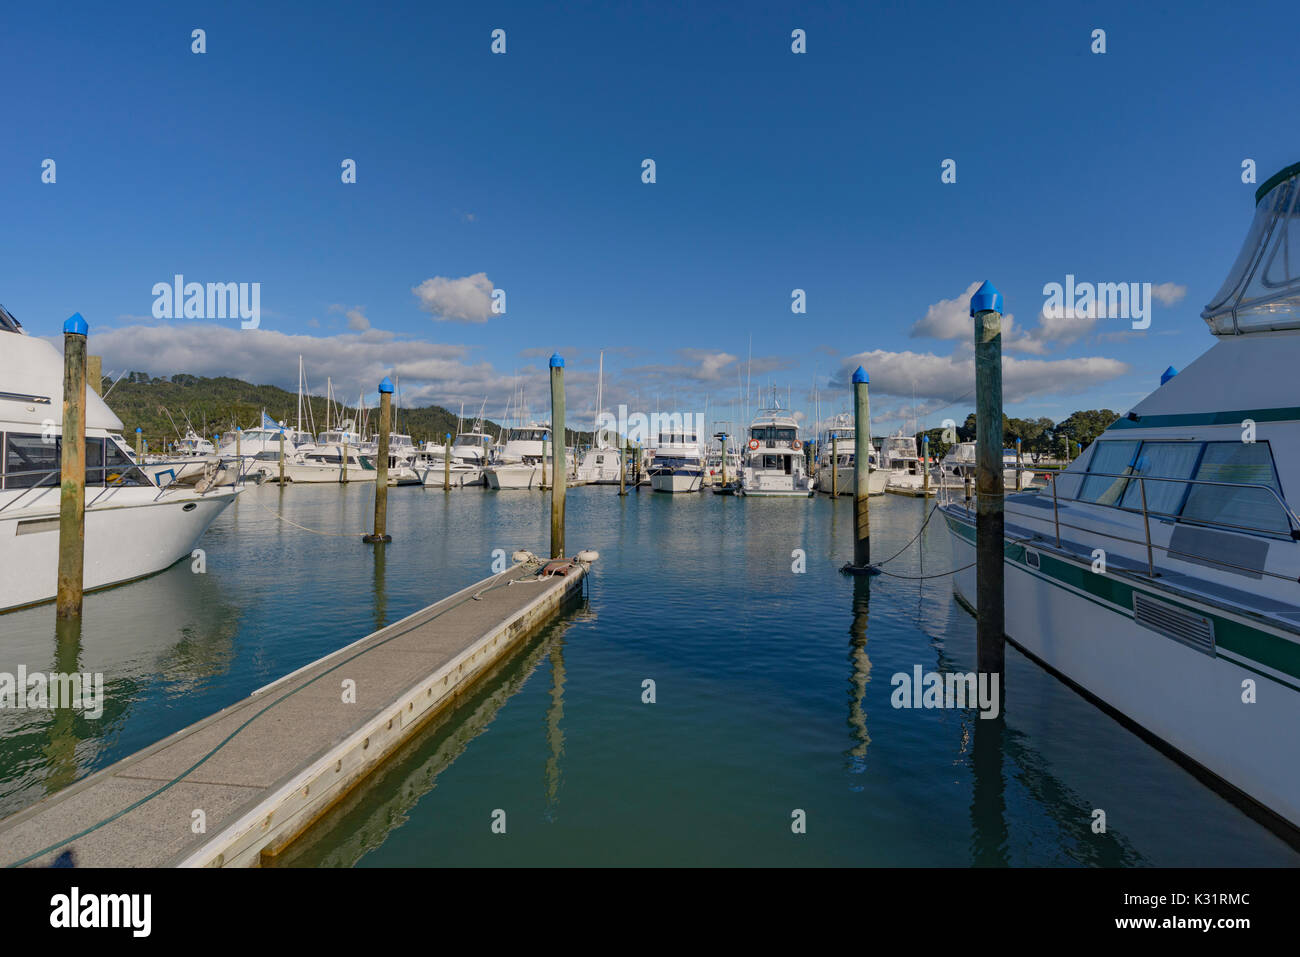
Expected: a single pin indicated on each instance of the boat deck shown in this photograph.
(260, 772)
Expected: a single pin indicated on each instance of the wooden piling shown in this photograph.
(861, 471)
(281, 460)
(343, 476)
(381, 465)
(446, 465)
(95, 374)
(558, 476)
(724, 460)
(986, 310)
(72, 493)
(1019, 465)
(622, 465)
(835, 466)
(925, 465)
(139, 445)
(544, 451)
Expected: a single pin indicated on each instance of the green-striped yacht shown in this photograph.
(1161, 572)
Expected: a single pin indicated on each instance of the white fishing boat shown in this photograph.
(836, 451)
(958, 464)
(1158, 572)
(469, 456)
(774, 457)
(677, 464)
(133, 528)
(520, 462)
(906, 473)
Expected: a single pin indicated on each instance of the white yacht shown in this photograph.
(520, 461)
(838, 440)
(469, 456)
(677, 464)
(951, 471)
(1191, 628)
(599, 466)
(774, 457)
(133, 527)
(906, 473)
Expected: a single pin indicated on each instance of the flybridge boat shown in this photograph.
(838, 441)
(133, 527)
(1191, 627)
(906, 473)
(953, 469)
(774, 457)
(469, 455)
(678, 463)
(520, 463)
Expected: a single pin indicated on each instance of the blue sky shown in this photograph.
(522, 172)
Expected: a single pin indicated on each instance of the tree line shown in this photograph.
(164, 407)
(1042, 436)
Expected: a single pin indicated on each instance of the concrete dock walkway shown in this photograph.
(259, 773)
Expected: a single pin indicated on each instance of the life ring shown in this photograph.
(795, 444)
(753, 443)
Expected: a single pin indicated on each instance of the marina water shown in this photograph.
(772, 693)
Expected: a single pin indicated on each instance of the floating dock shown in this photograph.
(241, 785)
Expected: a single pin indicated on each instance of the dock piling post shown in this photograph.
(544, 451)
(925, 466)
(446, 465)
(281, 460)
(1020, 463)
(861, 564)
(835, 466)
(381, 464)
(95, 374)
(343, 476)
(72, 492)
(139, 446)
(724, 459)
(622, 465)
(986, 310)
(558, 477)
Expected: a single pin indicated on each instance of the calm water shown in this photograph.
(772, 694)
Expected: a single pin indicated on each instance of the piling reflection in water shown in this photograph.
(859, 675)
(554, 735)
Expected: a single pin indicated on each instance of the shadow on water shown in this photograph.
(377, 807)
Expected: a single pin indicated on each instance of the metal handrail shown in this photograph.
(1293, 522)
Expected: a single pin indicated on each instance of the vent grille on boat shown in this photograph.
(1173, 622)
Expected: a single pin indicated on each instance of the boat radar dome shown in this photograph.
(1168, 374)
(1262, 291)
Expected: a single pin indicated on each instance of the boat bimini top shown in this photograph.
(1262, 292)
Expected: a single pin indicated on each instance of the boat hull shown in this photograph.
(679, 481)
(514, 477)
(1083, 627)
(877, 479)
(130, 533)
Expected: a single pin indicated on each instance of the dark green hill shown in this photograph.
(162, 406)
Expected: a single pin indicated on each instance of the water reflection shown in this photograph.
(154, 640)
(554, 735)
(859, 675)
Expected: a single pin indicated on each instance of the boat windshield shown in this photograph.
(1262, 291)
(530, 435)
(471, 440)
(772, 433)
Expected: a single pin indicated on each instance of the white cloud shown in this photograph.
(356, 317)
(950, 378)
(1168, 293)
(468, 299)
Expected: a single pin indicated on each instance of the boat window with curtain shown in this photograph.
(1249, 508)
(1114, 458)
(1162, 460)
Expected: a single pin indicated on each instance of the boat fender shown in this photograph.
(524, 556)
(587, 556)
(795, 444)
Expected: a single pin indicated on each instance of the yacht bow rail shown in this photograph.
(1147, 513)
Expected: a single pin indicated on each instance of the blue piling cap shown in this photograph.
(76, 325)
(860, 375)
(138, 429)
(386, 385)
(557, 361)
(239, 428)
(1168, 374)
(986, 299)
(1017, 440)
(448, 434)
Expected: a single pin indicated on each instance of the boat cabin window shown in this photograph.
(529, 435)
(34, 461)
(771, 434)
(1236, 464)
(1245, 464)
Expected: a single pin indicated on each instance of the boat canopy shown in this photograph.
(1262, 292)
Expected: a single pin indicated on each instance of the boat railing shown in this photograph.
(1147, 513)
